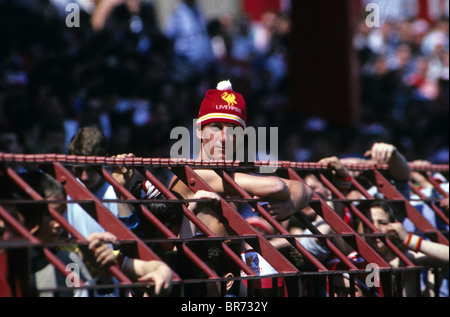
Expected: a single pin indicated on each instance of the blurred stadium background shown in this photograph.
(330, 83)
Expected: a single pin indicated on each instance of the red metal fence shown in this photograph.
(298, 281)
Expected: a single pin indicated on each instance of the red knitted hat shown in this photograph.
(223, 105)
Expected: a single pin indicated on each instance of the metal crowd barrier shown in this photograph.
(297, 282)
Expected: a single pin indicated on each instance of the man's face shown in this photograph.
(219, 140)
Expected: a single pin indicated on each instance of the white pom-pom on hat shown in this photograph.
(224, 85)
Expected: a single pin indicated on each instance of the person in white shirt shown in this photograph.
(91, 141)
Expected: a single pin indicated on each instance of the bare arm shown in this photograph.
(286, 196)
(435, 251)
(425, 251)
(270, 187)
(299, 193)
(298, 198)
(155, 272)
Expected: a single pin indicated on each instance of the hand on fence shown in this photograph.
(339, 170)
(398, 229)
(195, 207)
(159, 275)
(279, 209)
(99, 245)
(381, 152)
(122, 174)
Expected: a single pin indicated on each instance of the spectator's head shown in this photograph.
(380, 213)
(319, 189)
(222, 118)
(269, 20)
(403, 54)
(376, 211)
(9, 141)
(35, 216)
(88, 141)
(317, 186)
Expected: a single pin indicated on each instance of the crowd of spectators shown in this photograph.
(128, 74)
(135, 80)
(404, 84)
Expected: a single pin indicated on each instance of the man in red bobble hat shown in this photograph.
(221, 111)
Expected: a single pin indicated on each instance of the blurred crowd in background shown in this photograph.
(123, 71)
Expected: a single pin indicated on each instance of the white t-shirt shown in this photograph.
(82, 221)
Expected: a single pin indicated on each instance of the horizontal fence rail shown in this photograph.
(297, 271)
